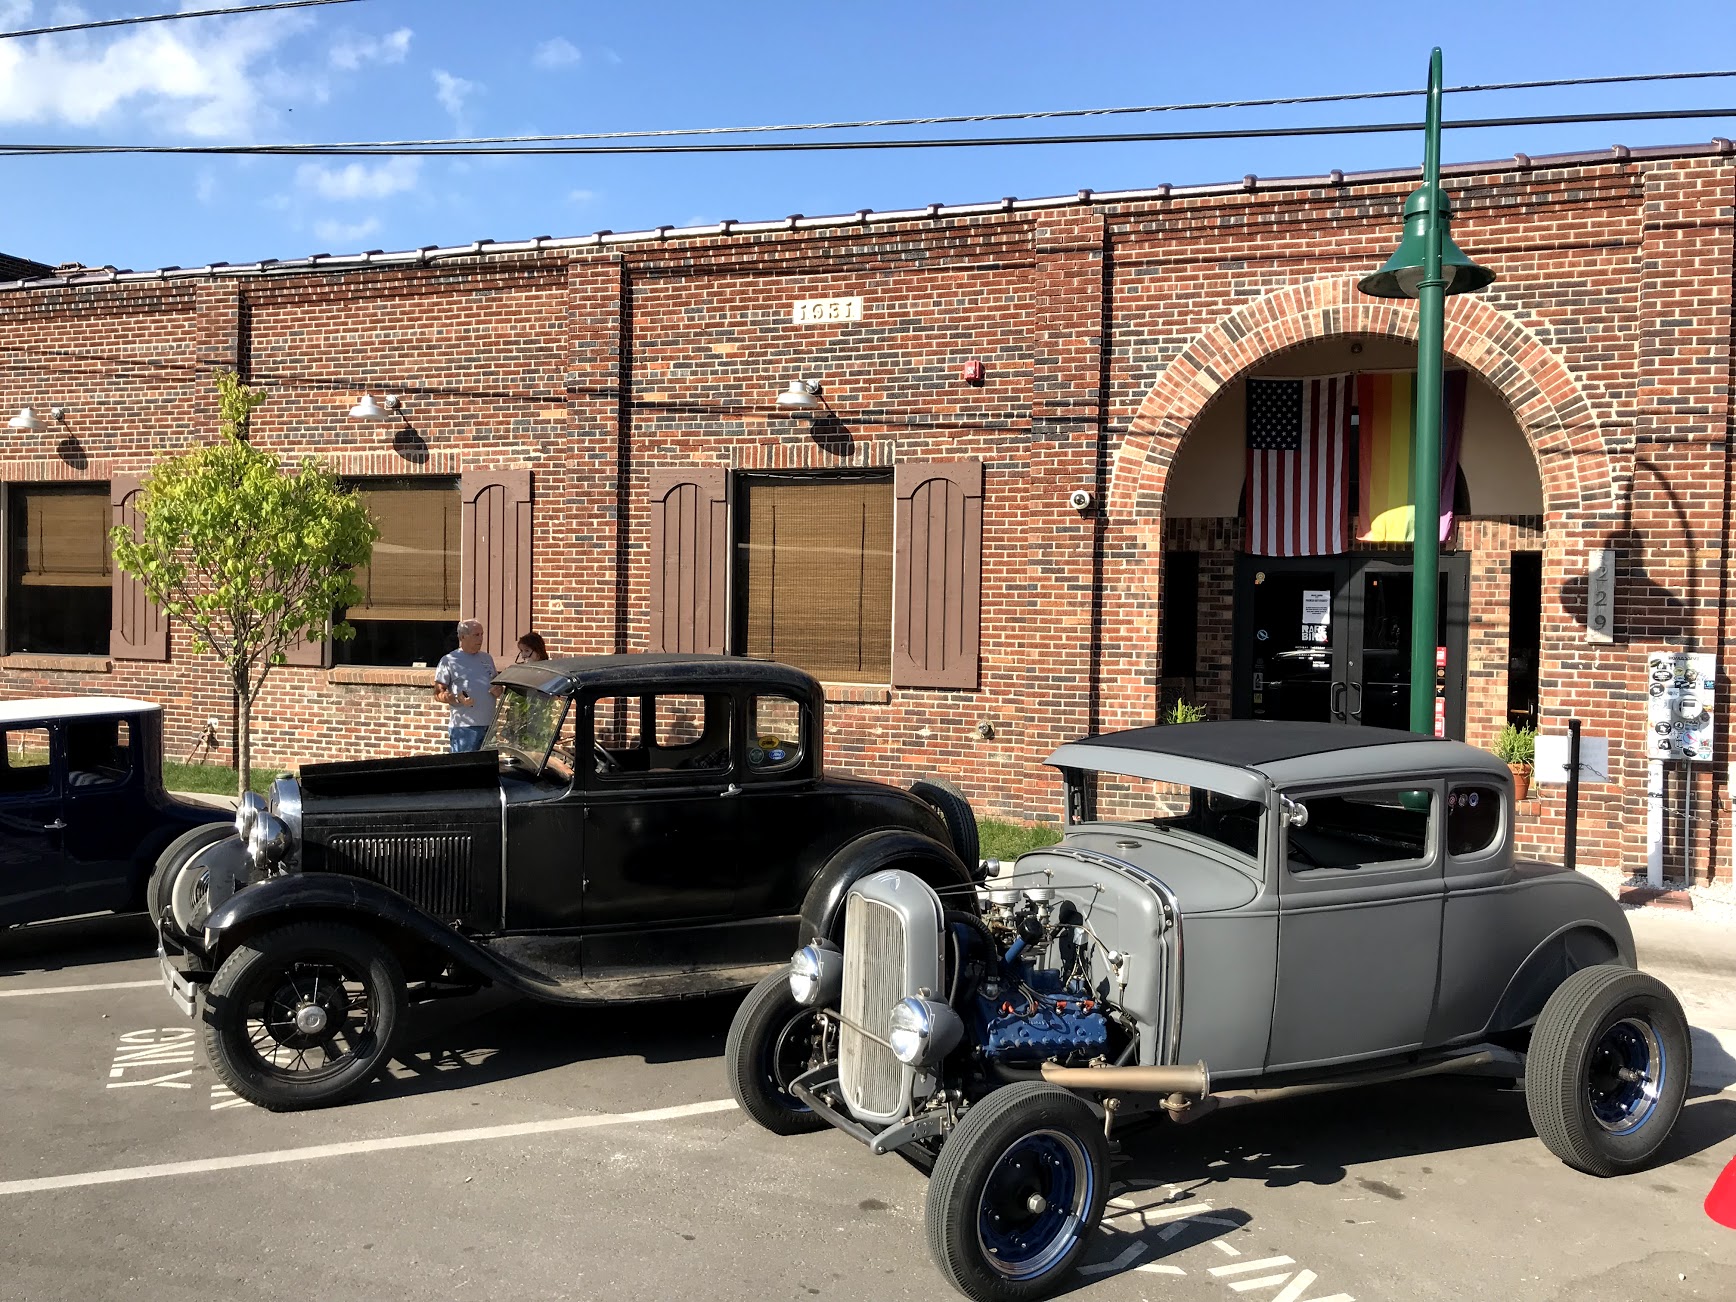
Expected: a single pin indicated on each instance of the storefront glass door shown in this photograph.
(1327, 639)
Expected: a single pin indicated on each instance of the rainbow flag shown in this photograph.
(1386, 415)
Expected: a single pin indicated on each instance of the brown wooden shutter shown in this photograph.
(494, 572)
(310, 653)
(690, 559)
(138, 628)
(937, 544)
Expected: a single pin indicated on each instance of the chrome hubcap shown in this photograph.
(310, 1019)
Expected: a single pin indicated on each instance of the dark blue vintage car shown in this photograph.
(83, 814)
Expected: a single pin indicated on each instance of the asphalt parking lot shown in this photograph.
(517, 1153)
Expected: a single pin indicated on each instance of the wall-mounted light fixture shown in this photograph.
(368, 409)
(802, 397)
(28, 419)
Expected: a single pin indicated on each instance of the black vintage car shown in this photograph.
(83, 814)
(636, 827)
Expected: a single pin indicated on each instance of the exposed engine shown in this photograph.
(1033, 999)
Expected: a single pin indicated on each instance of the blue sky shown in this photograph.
(435, 68)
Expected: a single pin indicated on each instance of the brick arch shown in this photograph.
(1551, 408)
(1564, 431)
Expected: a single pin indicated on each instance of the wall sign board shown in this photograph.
(1600, 595)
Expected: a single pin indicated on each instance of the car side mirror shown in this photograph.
(1295, 812)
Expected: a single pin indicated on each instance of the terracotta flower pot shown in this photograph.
(1521, 780)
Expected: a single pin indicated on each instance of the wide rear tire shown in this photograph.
(769, 1046)
(1608, 1069)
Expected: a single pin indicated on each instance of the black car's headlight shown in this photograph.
(923, 1031)
(817, 974)
(267, 840)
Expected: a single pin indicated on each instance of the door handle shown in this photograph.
(730, 790)
(1337, 708)
(1357, 712)
(58, 825)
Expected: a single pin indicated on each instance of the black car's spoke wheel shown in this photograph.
(1017, 1190)
(773, 1040)
(303, 1016)
(1607, 1070)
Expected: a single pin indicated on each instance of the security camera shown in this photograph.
(1080, 499)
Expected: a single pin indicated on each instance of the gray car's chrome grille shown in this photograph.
(431, 871)
(872, 1078)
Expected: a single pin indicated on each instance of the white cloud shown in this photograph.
(205, 188)
(354, 52)
(452, 91)
(346, 232)
(199, 79)
(581, 196)
(359, 180)
(556, 53)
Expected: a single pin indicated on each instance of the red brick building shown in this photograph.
(590, 445)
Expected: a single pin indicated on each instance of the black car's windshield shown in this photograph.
(526, 725)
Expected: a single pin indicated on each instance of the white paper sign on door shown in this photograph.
(1316, 615)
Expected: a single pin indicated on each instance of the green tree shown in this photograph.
(248, 556)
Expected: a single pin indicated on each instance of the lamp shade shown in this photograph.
(368, 409)
(27, 419)
(1403, 271)
(802, 395)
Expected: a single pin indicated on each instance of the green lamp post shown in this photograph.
(1427, 266)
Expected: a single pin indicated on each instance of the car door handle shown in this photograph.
(58, 825)
(1338, 701)
(730, 790)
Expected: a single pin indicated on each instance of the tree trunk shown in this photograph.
(243, 739)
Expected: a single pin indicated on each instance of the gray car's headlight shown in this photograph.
(816, 974)
(923, 1031)
(267, 840)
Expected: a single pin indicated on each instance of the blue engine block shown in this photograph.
(1053, 1025)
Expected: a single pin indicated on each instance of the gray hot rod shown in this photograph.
(1237, 912)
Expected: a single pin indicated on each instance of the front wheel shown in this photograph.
(1608, 1069)
(172, 864)
(772, 1040)
(1017, 1190)
(303, 1016)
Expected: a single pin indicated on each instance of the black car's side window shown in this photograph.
(1361, 828)
(99, 752)
(25, 766)
(674, 732)
(1473, 819)
(777, 729)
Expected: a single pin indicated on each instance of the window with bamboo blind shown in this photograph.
(813, 573)
(59, 570)
(410, 587)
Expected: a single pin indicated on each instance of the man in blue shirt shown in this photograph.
(462, 682)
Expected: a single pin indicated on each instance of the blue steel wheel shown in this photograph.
(1608, 1069)
(1016, 1192)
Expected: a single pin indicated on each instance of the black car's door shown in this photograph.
(31, 823)
(661, 809)
(105, 810)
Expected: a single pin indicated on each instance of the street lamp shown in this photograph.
(1427, 266)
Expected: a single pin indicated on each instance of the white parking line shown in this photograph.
(78, 990)
(122, 1175)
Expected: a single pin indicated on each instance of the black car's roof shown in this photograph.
(1250, 743)
(569, 673)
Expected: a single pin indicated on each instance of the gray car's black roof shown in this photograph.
(1251, 743)
(651, 669)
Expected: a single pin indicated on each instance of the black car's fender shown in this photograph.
(934, 863)
(301, 897)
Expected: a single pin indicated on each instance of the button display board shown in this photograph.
(1680, 687)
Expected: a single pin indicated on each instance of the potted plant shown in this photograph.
(1518, 746)
(1182, 712)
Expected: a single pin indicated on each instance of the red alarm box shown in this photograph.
(971, 372)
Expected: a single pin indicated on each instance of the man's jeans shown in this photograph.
(465, 737)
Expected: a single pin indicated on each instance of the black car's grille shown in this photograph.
(431, 871)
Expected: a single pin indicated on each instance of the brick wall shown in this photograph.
(1106, 328)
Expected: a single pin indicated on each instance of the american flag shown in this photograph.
(1299, 444)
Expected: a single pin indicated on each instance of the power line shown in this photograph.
(169, 18)
(461, 149)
